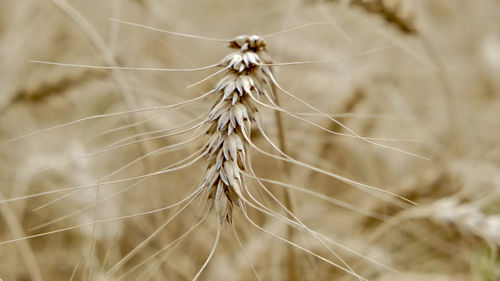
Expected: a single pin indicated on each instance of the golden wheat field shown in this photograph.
(250, 140)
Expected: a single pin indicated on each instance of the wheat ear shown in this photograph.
(390, 11)
(467, 217)
(230, 121)
(247, 75)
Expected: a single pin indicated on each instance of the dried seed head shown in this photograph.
(230, 121)
(467, 217)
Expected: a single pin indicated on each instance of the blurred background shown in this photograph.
(420, 76)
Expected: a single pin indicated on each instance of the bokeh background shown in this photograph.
(423, 75)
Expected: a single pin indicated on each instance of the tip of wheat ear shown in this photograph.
(230, 121)
(247, 42)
